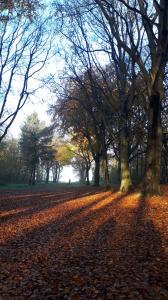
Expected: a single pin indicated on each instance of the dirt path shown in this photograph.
(83, 244)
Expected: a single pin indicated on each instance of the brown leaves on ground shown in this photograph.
(83, 244)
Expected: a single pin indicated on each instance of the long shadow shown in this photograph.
(135, 268)
(90, 216)
(34, 206)
(21, 253)
(72, 223)
(149, 254)
(57, 221)
(23, 194)
(140, 265)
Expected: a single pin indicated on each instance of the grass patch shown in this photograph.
(24, 186)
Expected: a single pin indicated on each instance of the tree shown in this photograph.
(131, 37)
(27, 8)
(11, 166)
(82, 157)
(24, 49)
(62, 156)
(47, 158)
(103, 80)
(78, 114)
(151, 31)
(35, 139)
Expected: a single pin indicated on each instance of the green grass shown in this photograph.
(14, 186)
(23, 186)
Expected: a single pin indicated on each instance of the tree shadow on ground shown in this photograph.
(47, 217)
(25, 205)
(103, 251)
(138, 266)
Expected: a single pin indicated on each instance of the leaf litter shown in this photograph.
(83, 243)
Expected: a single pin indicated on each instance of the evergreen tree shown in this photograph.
(35, 142)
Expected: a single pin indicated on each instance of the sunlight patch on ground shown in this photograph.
(131, 200)
(12, 212)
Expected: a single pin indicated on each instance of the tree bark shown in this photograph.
(142, 166)
(106, 171)
(97, 171)
(47, 174)
(34, 175)
(126, 181)
(154, 147)
(87, 175)
(118, 171)
(58, 173)
(137, 167)
(125, 174)
(32, 178)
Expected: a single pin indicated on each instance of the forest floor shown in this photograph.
(83, 243)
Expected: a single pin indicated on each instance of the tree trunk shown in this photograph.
(58, 173)
(137, 167)
(53, 176)
(47, 174)
(30, 177)
(82, 173)
(154, 147)
(34, 175)
(125, 174)
(106, 171)
(118, 172)
(54, 173)
(87, 175)
(97, 171)
(126, 181)
(142, 166)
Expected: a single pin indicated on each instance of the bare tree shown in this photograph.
(24, 49)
